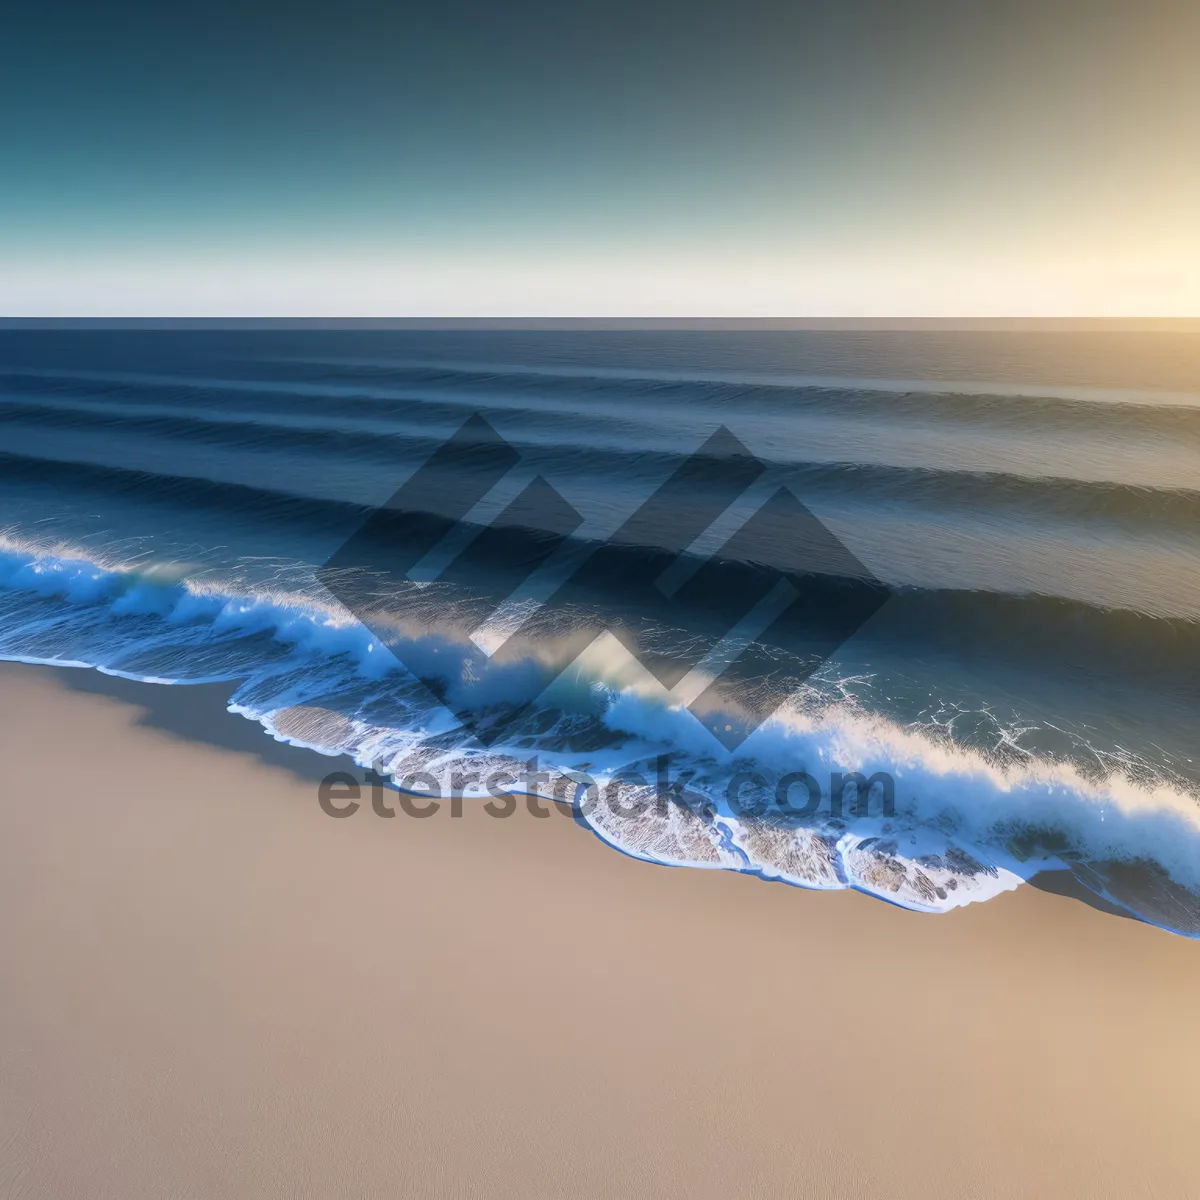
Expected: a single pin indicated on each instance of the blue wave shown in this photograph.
(965, 827)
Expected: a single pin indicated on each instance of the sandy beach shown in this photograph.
(210, 989)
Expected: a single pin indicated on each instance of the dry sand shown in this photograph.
(210, 989)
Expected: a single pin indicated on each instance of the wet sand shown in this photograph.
(211, 989)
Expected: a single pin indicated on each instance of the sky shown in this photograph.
(859, 159)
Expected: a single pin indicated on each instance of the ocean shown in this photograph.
(991, 541)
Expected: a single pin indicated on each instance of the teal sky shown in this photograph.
(687, 159)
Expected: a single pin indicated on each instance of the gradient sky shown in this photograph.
(867, 158)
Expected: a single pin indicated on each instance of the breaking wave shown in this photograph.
(962, 825)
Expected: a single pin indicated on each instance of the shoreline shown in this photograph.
(189, 710)
(214, 990)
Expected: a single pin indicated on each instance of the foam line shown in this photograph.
(964, 828)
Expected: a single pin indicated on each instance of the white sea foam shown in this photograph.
(964, 828)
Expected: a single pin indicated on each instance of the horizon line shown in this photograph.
(600, 323)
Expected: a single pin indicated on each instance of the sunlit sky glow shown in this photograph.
(865, 159)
